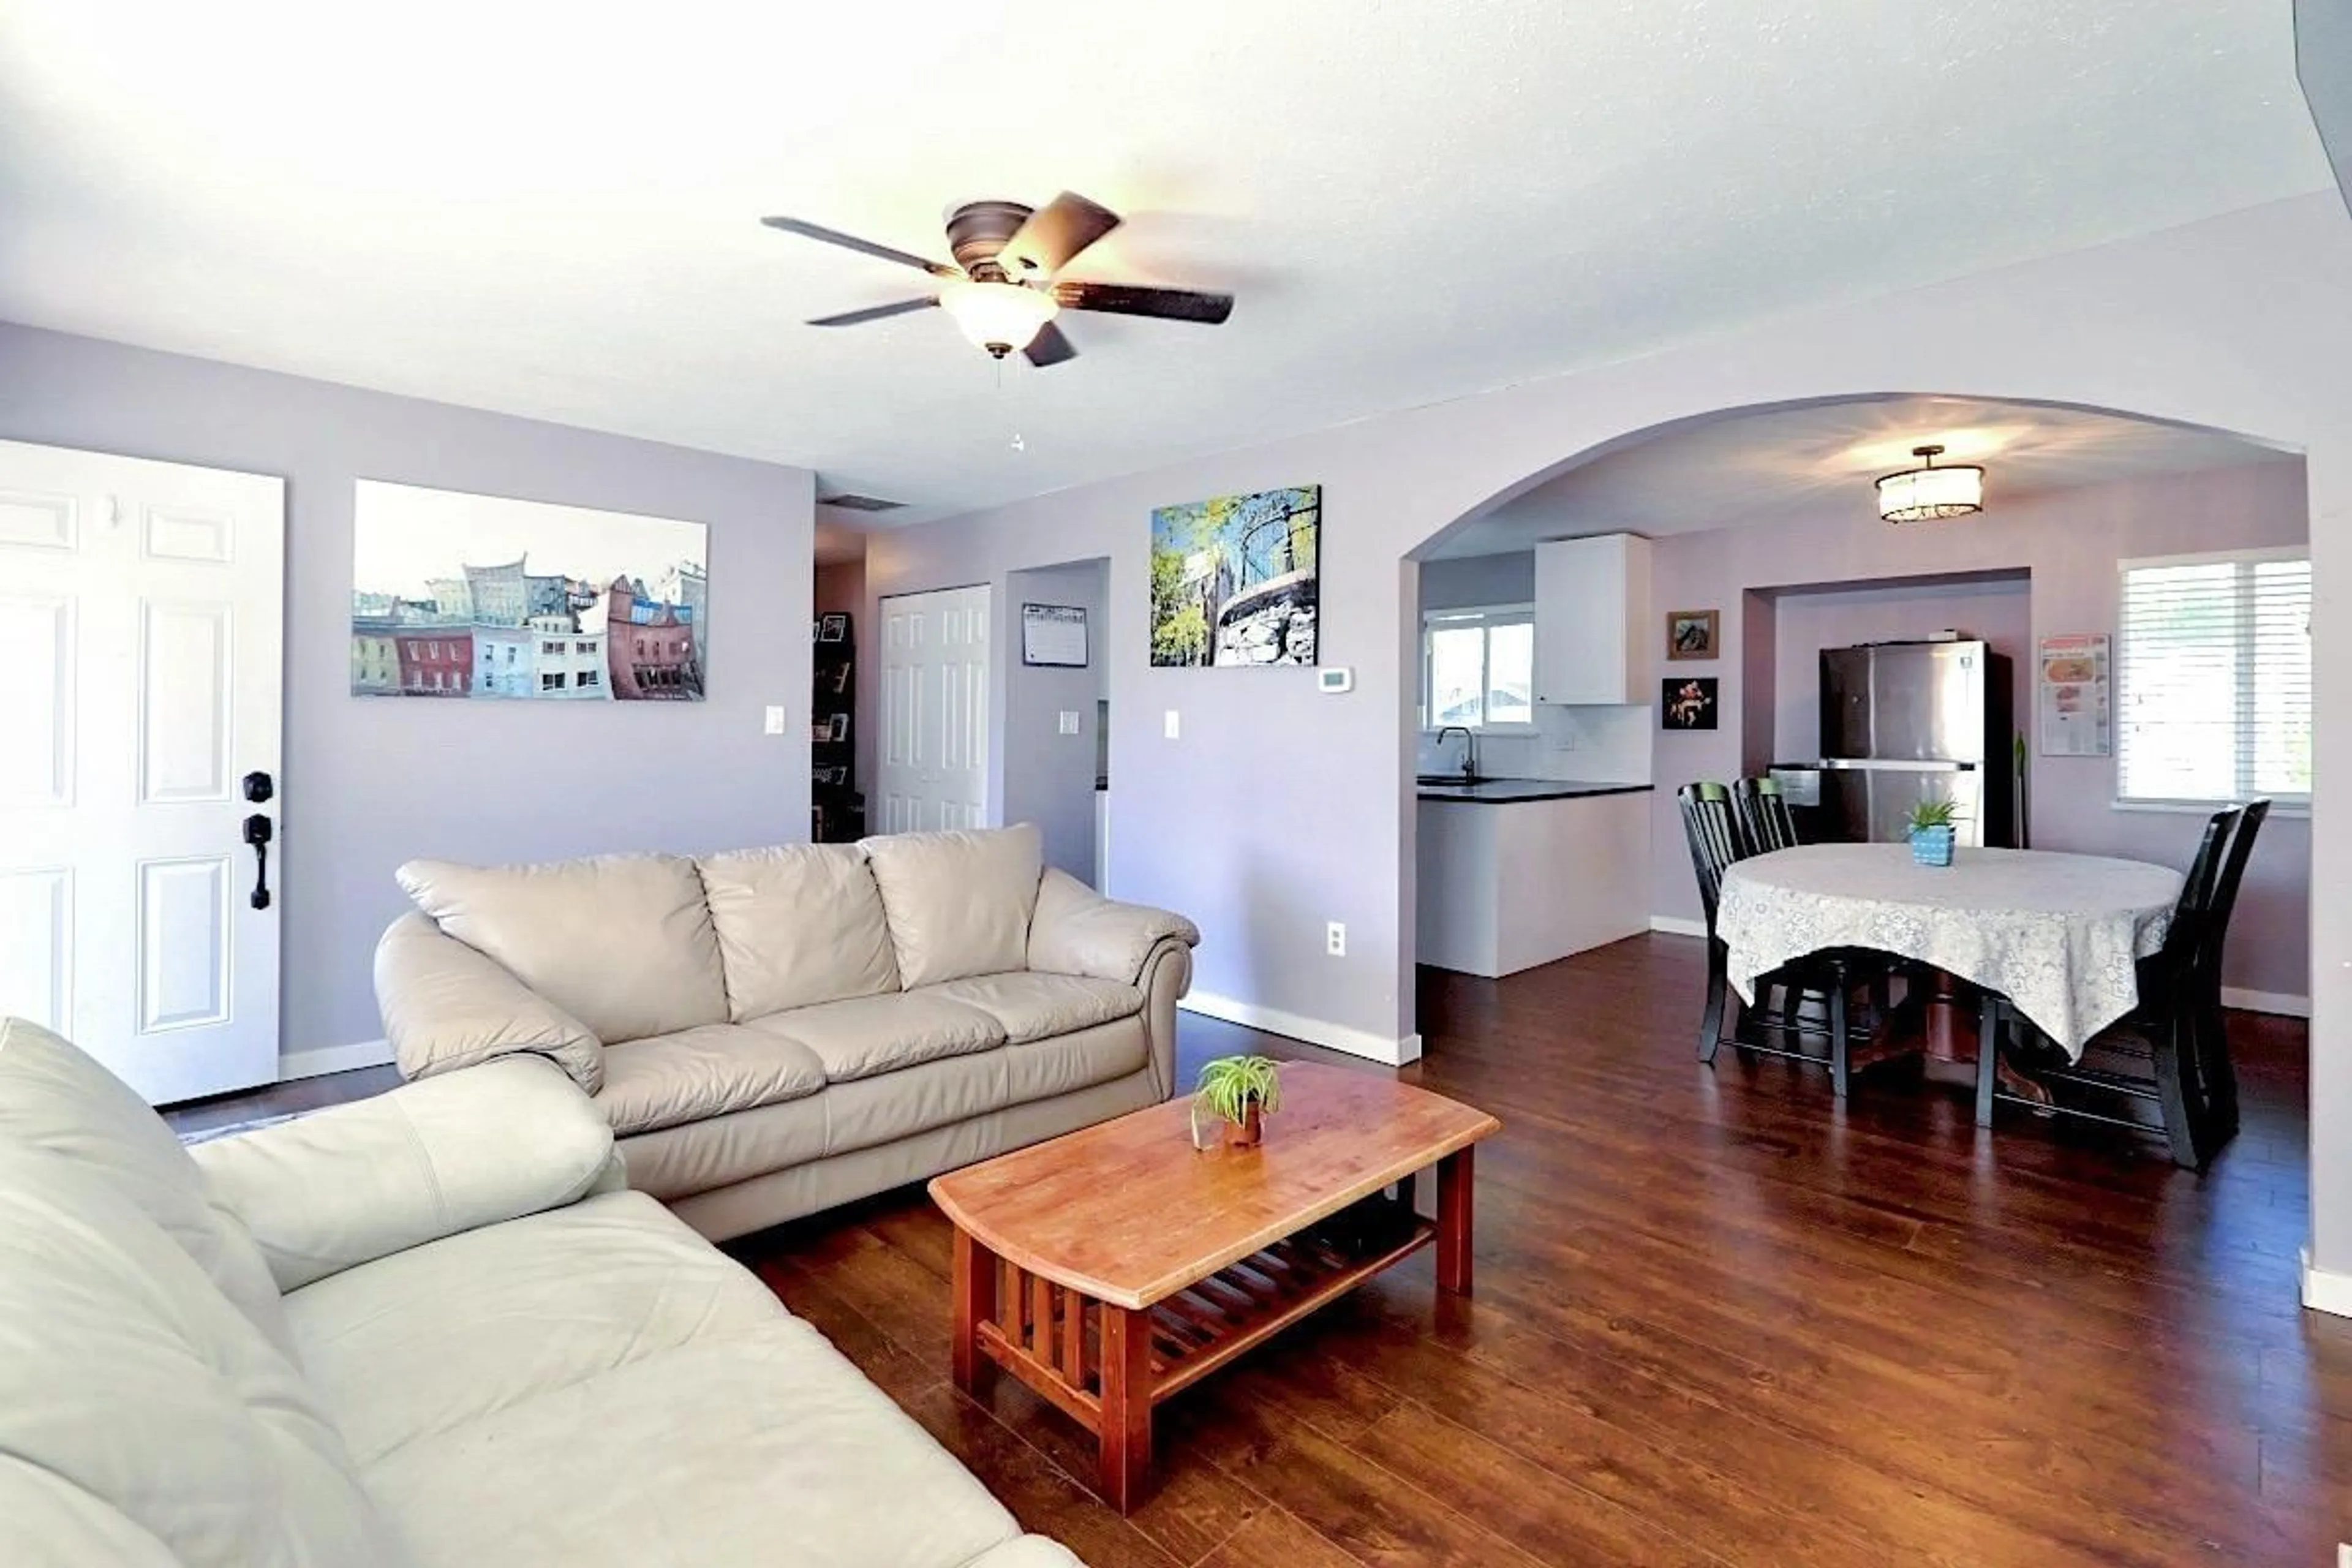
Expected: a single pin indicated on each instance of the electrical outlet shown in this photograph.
(776, 725)
(1335, 940)
(1069, 720)
(1173, 727)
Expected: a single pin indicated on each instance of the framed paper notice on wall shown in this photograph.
(2072, 701)
(1054, 634)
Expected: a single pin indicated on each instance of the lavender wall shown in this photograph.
(841, 586)
(1470, 581)
(2069, 541)
(370, 783)
(1049, 777)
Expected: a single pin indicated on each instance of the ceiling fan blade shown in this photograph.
(866, 246)
(1049, 347)
(875, 312)
(1055, 232)
(1134, 299)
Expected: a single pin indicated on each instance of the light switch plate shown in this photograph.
(775, 724)
(1069, 722)
(1174, 729)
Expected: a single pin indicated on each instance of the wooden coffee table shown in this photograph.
(1110, 1268)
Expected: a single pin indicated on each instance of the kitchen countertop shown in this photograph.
(1507, 792)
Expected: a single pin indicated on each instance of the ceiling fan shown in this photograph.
(1002, 289)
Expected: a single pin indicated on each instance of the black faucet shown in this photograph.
(1469, 750)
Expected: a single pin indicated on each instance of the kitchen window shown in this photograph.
(2213, 679)
(1478, 668)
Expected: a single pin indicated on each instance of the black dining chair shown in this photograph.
(2169, 1031)
(1762, 809)
(2218, 1073)
(1716, 845)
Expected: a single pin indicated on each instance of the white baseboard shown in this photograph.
(2283, 1003)
(333, 1058)
(2324, 1292)
(1313, 1031)
(1677, 925)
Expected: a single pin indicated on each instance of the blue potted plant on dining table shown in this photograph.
(1932, 832)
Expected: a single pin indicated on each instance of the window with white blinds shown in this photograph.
(2213, 677)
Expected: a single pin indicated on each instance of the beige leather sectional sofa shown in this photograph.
(423, 1330)
(770, 1032)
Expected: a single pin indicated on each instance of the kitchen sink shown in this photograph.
(1463, 780)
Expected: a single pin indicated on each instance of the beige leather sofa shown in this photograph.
(422, 1329)
(771, 1032)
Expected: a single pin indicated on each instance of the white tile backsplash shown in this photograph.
(1600, 745)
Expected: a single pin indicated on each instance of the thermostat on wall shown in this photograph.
(1335, 677)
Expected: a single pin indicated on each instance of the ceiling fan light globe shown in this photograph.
(998, 317)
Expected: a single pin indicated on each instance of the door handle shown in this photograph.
(257, 833)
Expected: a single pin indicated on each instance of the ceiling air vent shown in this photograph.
(860, 503)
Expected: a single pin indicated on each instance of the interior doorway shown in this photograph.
(933, 771)
(1056, 701)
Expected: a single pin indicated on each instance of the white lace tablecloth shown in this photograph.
(2057, 934)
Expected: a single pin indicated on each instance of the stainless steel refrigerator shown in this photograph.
(1903, 722)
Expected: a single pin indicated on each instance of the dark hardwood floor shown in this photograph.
(1719, 1320)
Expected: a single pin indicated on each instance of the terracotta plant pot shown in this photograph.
(1248, 1132)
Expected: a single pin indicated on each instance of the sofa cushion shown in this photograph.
(600, 1385)
(420, 1344)
(959, 902)
(57, 1098)
(698, 1157)
(622, 943)
(1031, 1006)
(797, 924)
(698, 1073)
(870, 1034)
(126, 1374)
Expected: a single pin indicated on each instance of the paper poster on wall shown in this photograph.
(1054, 634)
(2070, 695)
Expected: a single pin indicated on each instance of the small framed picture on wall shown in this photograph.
(1687, 703)
(1691, 634)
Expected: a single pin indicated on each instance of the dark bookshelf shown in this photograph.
(837, 811)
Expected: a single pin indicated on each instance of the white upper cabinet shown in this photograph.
(1593, 638)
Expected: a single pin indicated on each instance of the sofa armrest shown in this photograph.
(1076, 931)
(448, 1006)
(354, 1183)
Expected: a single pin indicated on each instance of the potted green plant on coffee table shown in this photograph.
(1932, 832)
(1239, 1091)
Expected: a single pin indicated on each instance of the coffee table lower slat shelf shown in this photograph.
(1250, 1329)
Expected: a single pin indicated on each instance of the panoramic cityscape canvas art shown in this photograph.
(1234, 579)
(484, 597)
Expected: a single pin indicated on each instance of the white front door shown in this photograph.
(934, 711)
(141, 615)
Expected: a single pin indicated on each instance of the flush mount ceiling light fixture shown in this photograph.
(1928, 491)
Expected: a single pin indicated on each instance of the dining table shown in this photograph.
(2060, 934)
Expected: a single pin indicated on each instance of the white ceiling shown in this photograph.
(551, 211)
(1757, 467)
